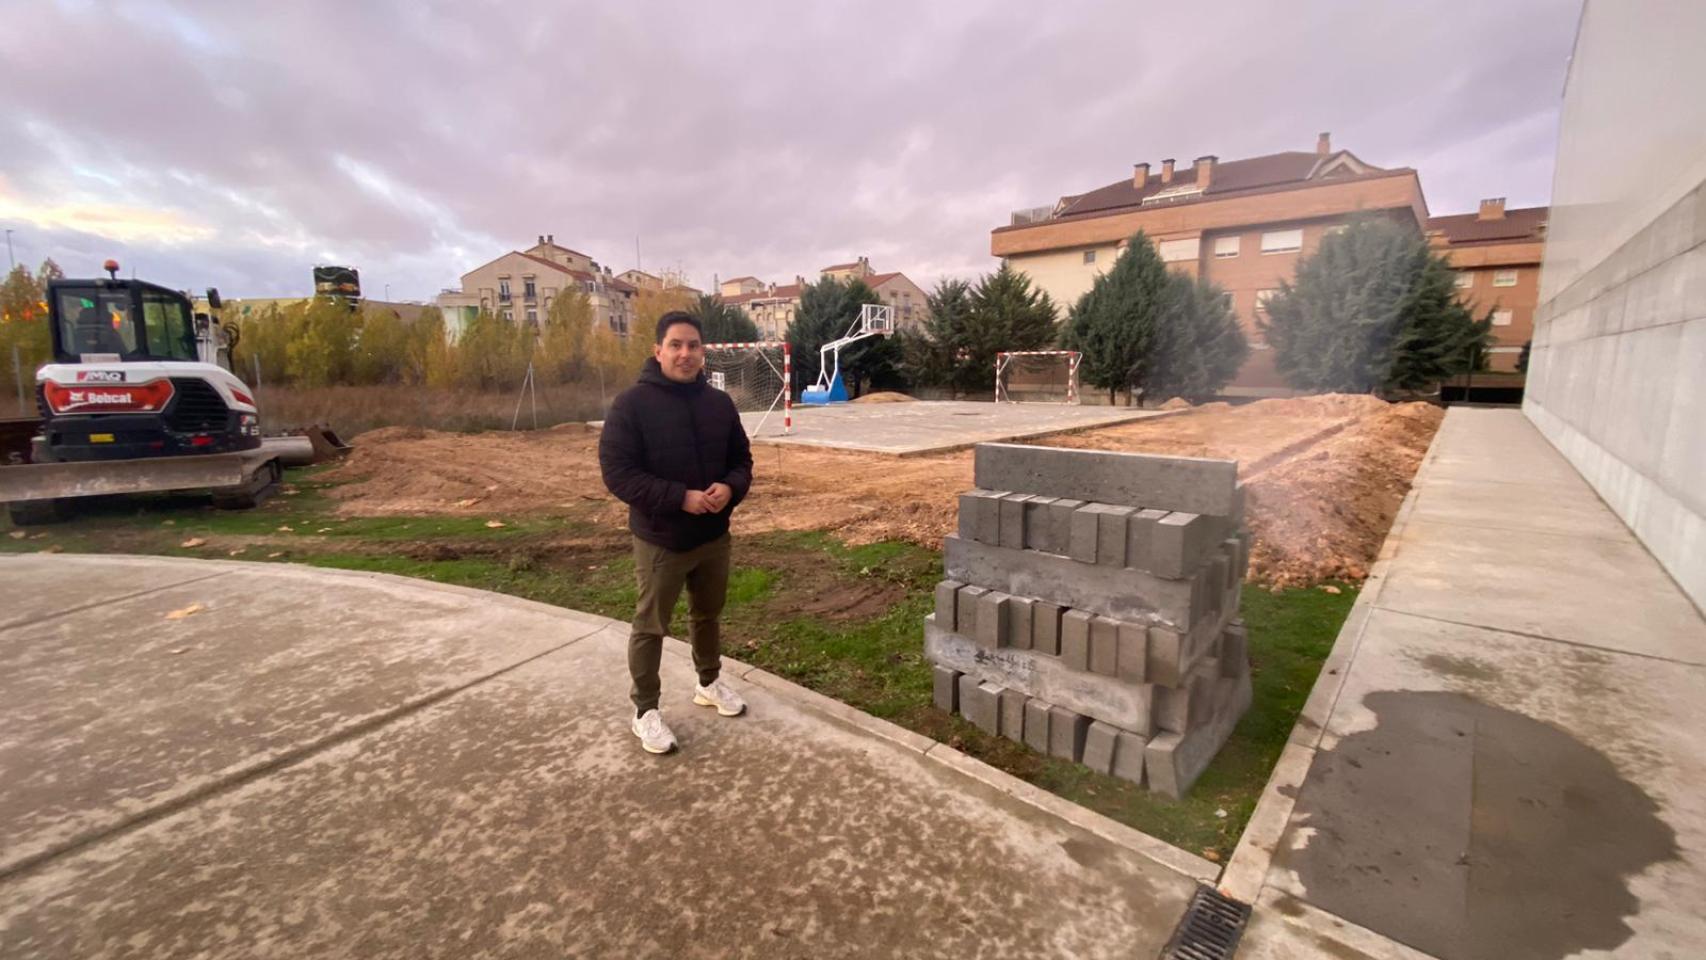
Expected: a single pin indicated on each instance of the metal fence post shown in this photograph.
(18, 377)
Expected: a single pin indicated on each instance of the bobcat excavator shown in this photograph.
(140, 397)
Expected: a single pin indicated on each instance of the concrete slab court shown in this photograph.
(472, 783)
(1499, 759)
(926, 427)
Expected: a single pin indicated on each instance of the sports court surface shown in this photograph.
(924, 426)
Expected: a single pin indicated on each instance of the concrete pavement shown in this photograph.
(1504, 754)
(240, 760)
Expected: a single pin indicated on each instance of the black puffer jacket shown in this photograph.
(662, 439)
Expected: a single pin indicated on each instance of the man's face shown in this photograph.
(681, 354)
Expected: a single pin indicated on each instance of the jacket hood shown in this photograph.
(653, 374)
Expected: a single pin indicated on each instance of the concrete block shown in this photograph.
(1173, 761)
(991, 619)
(1118, 592)
(1111, 538)
(1129, 706)
(1215, 588)
(1060, 514)
(947, 601)
(1128, 757)
(1128, 479)
(1173, 707)
(1104, 646)
(989, 517)
(946, 682)
(1086, 527)
(1066, 731)
(1229, 550)
(1100, 742)
(1019, 615)
(980, 703)
(1166, 656)
(1013, 520)
(968, 513)
(1036, 724)
(1045, 627)
(1238, 505)
(1039, 525)
(1180, 541)
(1140, 537)
(1012, 710)
(1131, 662)
(966, 609)
(1234, 649)
(1075, 639)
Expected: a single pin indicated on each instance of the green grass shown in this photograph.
(872, 662)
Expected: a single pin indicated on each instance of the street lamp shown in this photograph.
(9, 255)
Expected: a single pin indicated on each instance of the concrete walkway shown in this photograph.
(243, 760)
(1505, 755)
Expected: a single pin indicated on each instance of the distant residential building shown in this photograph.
(771, 307)
(1243, 224)
(641, 280)
(905, 297)
(520, 286)
(1496, 253)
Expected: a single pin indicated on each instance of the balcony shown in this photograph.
(1023, 218)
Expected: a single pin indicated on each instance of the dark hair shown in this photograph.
(674, 317)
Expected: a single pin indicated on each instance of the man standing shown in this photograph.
(673, 449)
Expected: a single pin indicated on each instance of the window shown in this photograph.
(1262, 298)
(527, 288)
(533, 317)
(95, 322)
(169, 331)
(1504, 278)
(1464, 280)
(1282, 241)
(1089, 256)
(1173, 251)
(1501, 318)
(503, 289)
(1225, 247)
(509, 316)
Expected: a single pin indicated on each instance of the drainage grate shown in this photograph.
(1210, 930)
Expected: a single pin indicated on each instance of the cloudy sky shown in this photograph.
(217, 144)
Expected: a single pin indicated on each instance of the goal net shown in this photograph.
(756, 376)
(1037, 376)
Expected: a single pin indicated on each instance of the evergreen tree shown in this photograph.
(828, 308)
(1199, 345)
(1372, 310)
(723, 322)
(1114, 324)
(934, 354)
(1007, 314)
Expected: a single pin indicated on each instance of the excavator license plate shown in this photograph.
(100, 438)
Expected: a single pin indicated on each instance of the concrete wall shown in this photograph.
(1616, 378)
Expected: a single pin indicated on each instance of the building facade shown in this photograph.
(521, 285)
(1243, 224)
(771, 307)
(1497, 253)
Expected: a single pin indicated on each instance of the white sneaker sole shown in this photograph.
(704, 701)
(670, 748)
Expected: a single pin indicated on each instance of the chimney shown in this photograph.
(1324, 144)
(799, 281)
(1167, 170)
(541, 240)
(550, 238)
(1139, 175)
(1492, 208)
(1205, 170)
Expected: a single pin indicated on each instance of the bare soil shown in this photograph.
(1325, 474)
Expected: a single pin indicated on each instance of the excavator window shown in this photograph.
(97, 323)
(171, 335)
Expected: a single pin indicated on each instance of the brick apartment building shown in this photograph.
(773, 306)
(1243, 224)
(1497, 253)
(520, 286)
(641, 280)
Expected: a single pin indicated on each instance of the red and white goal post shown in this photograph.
(758, 377)
(1037, 376)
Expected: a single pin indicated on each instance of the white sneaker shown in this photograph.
(653, 732)
(722, 696)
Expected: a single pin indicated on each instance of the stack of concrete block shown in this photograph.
(1091, 608)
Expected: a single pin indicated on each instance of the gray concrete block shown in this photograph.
(1066, 731)
(946, 682)
(1173, 707)
(966, 608)
(1172, 762)
(1036, 725)
(1086, 528)
(1215, 588)
(1045, 627)
(1111, 538)
(968, 513)
(1131, 662)
(1099, 476)
(1166, 656)
(1229, 548)
(980, 703)
(1039, 524)
(947, 602)
(1060, 514)
(1128, 757)
(1238, 506)
(1140, 537)
(1104, 646)
(1013, 520)
(1100, 742)
(989, 516)
(991, 619)
(1118, 592)
(1012, 709)
(1075, 639)
(1019, 615)
(1129, 706)
(1234, 649)
(1181, 540)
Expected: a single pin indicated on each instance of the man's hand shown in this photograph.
(698, 501)
(718, 494)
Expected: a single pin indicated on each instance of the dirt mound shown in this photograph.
(1323, 405)
(884, 396)
(1177, 403)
